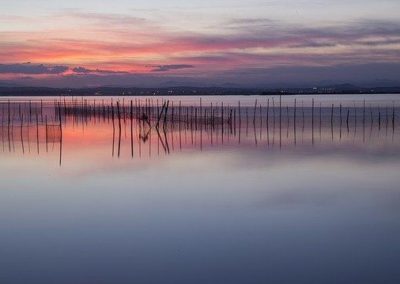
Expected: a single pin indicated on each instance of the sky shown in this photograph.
(252, 43)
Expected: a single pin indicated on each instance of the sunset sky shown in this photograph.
(203, 43)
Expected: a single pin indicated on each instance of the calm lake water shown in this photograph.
(264, 193)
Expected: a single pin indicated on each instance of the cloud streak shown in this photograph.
(165, 68)
(133, 43)
(118, 45)
(32, 69)
(83, 70)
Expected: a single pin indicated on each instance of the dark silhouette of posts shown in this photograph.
(312, 121)
(254, 116)
(119, 128)
(47, 135)
(332, 120)
(131, 119)
(393, 118)
(61, 133)
(22, 135)
(37, 132)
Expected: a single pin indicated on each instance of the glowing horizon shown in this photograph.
(53, 43)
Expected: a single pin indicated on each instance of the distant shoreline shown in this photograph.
(202, 95)
(192, 91)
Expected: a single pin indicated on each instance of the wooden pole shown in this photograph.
(131, 118)
(37, 132)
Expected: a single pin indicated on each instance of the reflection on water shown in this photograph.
(152, 127)
(217, 190)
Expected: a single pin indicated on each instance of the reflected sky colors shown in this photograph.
(247, 205)
(257, 43)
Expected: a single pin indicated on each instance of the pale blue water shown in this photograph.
(323, 210)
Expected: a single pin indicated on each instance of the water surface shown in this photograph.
(264, 196)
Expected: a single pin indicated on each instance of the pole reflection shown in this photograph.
(169, 126)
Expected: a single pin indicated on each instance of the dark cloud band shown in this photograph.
(83, 70)
(165, 68)
(32, 69)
